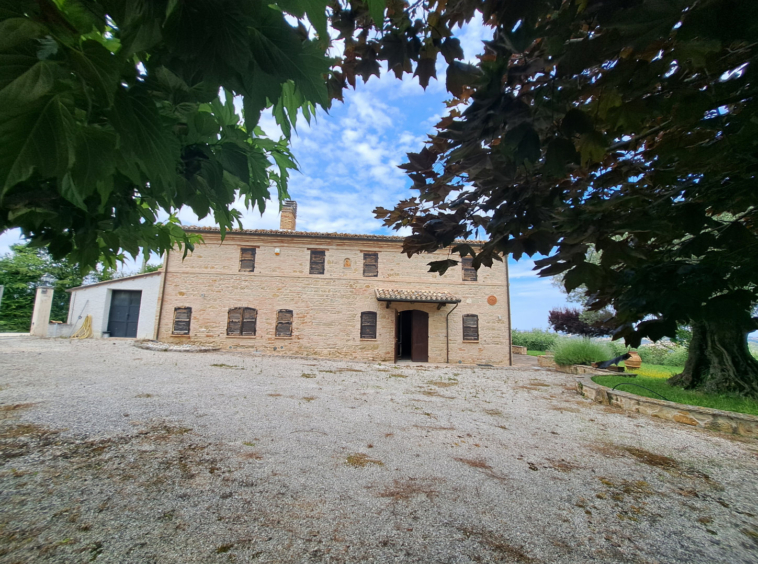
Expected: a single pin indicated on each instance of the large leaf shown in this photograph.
(99, 68)
(314, 9)
(39, 139)
(15, 31)
(376, 9)
(27, 87)
(143, 134)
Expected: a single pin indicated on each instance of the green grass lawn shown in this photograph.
(535, 353)
(654, 376)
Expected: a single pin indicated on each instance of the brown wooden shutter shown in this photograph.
(284, 323)
(368, 325)
(469, 272)
(247, 259)
(470, 327)
(371, 265)
(234, 321)
(249, 319)
(318, 262)
(182, 318)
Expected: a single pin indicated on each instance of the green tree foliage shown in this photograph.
(627, 125)
(111, 114)
(20, 272)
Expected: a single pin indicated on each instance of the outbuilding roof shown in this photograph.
(115, 280)
(420, 296)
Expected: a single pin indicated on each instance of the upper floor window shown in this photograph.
(318, 262)
(247, 259)
(182, 318)
(370, 265)
(242, 321)
(284, 323)
(470, 327)
(469, 272)
(368, 325)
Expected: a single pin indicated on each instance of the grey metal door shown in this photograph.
(124, 314)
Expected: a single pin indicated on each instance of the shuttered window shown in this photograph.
(182, 318)
(318, 261)
(247, 259)
(241, 321)
(368, 325)
(370, 265)
(284, 323)
(469, 272)
(470, 327)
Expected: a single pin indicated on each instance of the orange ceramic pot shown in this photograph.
(633, 362)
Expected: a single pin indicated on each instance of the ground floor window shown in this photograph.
(284, 323)
(368, 325)
(470, 327)
(182, 318)
(242, 321)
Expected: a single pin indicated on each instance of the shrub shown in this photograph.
(677, 357)
(617, 347)
(580, 351)
(534, 340)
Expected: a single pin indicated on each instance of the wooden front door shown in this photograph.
(124, 315)
(397, 335)
(420, 336)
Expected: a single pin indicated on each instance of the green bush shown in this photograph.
(617, 347)
(580, 351)
(534, 340)
(677, 357)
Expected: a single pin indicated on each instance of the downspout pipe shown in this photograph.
(161, 296)
(508, 303)
(447, 334)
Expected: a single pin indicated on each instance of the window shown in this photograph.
(470, 327)
(241, 321)
(469, 272)
(368, 325)
(284, 323)
(247, 259)
(318, 260)
(370, 265)
(182, 318)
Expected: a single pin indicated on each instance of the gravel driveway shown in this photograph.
(111, 453)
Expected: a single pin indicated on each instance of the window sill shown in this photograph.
(370, 340)
(241, 336)
(473, 342)
(182, 336)
(282, 337)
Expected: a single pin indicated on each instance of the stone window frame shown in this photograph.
(370, 270)
(314, 264)
(243, 259)
(468, 272)
(369, 322)
(472, 329)
(181, 310)
(247, 315)
(283, 328)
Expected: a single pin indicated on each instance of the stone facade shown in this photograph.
(327, 307)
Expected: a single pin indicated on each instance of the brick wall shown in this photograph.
(327, 307)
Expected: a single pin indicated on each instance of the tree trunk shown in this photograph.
(719, 360)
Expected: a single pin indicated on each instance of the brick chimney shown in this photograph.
(289, 215)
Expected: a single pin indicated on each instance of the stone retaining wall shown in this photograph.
(713, 419)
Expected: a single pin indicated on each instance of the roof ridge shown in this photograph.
(333, 234)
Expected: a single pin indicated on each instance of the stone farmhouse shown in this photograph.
(332, 295)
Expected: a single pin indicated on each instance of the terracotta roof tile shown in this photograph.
(415, 296)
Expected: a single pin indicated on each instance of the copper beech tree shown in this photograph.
(627, 126)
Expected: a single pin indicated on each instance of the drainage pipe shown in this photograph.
(447, 334)
(508, 303)
(162, 293)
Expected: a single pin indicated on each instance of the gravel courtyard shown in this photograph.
(111, 453)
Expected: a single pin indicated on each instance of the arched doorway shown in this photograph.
(412, 335)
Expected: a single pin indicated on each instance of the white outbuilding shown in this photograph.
(124, 307)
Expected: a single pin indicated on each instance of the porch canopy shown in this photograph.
(416, 296)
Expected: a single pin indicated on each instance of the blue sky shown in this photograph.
(348, 166)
